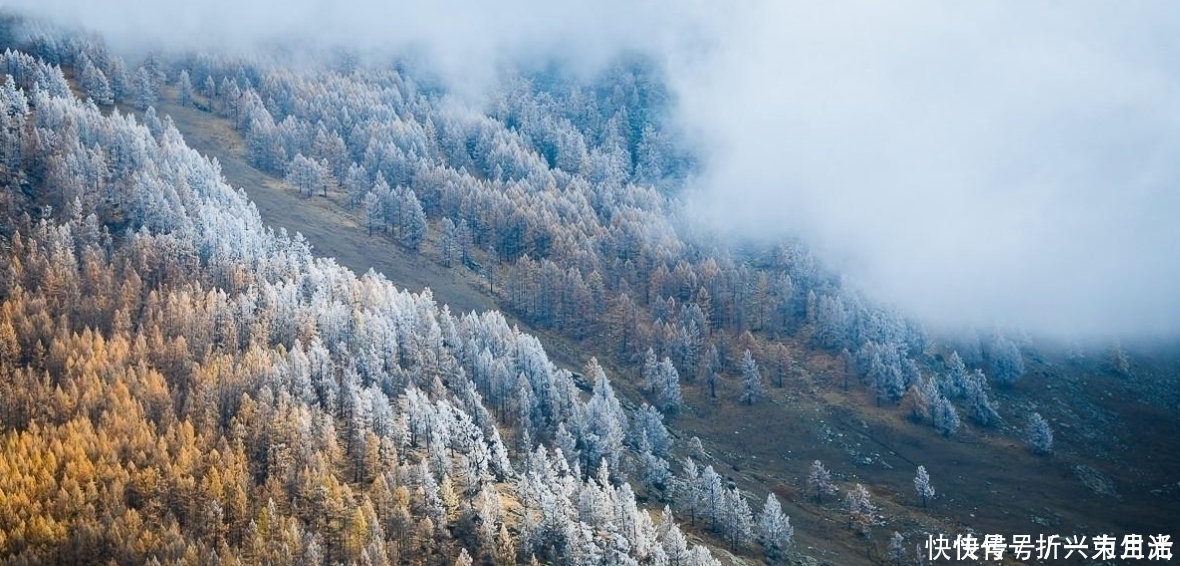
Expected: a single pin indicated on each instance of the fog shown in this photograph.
(1006, 164)
(463, 40)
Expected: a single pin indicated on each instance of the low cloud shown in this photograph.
(997, 164)
(463, 40)
(1009, 165)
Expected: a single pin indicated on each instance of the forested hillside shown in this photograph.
(180, 383)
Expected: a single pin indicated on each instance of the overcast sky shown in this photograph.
(992, 163)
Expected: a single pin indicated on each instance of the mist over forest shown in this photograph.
(995, 166)
(642, 283)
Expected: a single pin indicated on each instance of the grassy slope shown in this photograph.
(986, 481)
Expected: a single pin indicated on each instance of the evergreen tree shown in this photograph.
(897, 551)
(653, 469)
(736, 519)
(1007, 364)
(774, 529)
(307, 175)
(356, 184)
(819, 481)
(448, 245)
(861, 511)
(648, 425)
(651, 371)
(690, 494)
(923, 487)
(94, 83)
(696, 449)
(675, 545)
(954, 382)
(711, 366)
(669, 397)
(1038, 435)
(944, 416)
(145, 89)
(885, 374)
(710, 490)
(412, 228)
(752, 388)
(982, 411)
(184, 89)
(374, 216)
(605, 422)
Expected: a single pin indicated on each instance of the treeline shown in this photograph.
(245, 401)
(180, 385)
(562, 193)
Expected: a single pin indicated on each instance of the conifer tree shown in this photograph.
(1038, 435)
(184, 89)
(145, 89)
(897, 551)
(1006, 362)
(944, 416)
(819, 481)
(774, 529)
(752, 388)
(861, 511)
(923, 487)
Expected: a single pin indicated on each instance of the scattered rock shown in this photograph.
(1097, 481)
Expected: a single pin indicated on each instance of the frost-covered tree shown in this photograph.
(1006, 363)
(774, 529)
(675, 545)
(979, 406)
(710, 491)
(897, 552)
(695, 448)
(464, 558)
(145, 89)
(412, 223)
(95, 84)
(209, 88)
(923, 487)
(647, 424)
(737, 521)
(356, 183)
(700, 556)
(752, 387)
(861, 511)
(184, 89)
(653, 469)
(944, 416)
(566, 442)
(690, 495)
(711, 365)
(605, 422)
(374, 216)
(306, 175)
(1038, 435)
(1118, 359)
(668, 396)
(954, 381)
(920, 399)
(662, 381)
(650, 372)
(819, 481)
(885, 374)
(448, 244)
